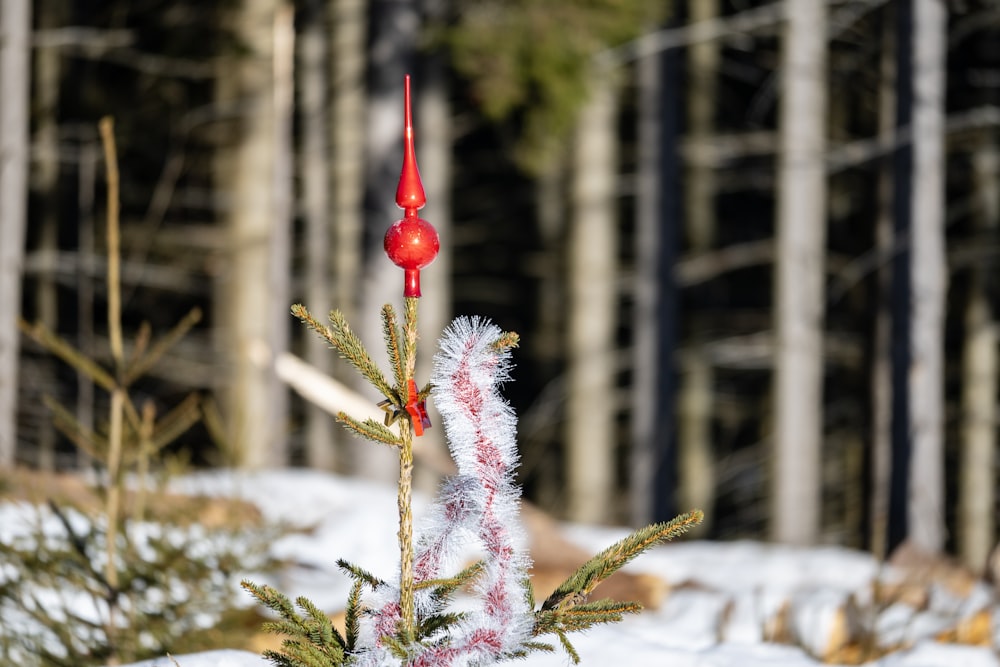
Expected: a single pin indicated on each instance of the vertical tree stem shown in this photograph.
(114, 243)
(115, 434)
(406, 602)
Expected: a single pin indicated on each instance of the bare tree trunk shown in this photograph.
(280, 246)
(590, 436)
(799, 277)
(15, 74)
(316, 208)
(545, 343)
(86, 194)
(349, 43)
(350, 29)
(694, 423)
(645, 407)
(256, 295)
(881, 367)
(45, 183)
(980, 366)
(929, 278)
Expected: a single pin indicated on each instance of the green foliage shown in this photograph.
(527, 61)
(114, 578)
(310, 639)
(567, 608)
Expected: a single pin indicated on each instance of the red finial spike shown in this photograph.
(410, 191)
(411, 243)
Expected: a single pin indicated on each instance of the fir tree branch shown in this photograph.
(142, 364)
(352, 615)
(171, 425)
(507, 341)
(92, 444)
(568, 647)
(586, 578)
(140, 343)
(370, 429)
(360, 574)
(323, 633)
(350, 347)
(390, 331)
(444, 588)
(62, 349)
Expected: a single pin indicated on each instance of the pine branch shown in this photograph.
(89, 442)
(583, 616)
(507, 341)
(445, 588)
(568, 647)
(370, 429)
(582, 582)
(62, 349)
(350, 347)
(270, 598)
(142, 364)
(390, 331)
(322, 632)
(430, 624)
(171, 425)
(352, 625)
(360, 574)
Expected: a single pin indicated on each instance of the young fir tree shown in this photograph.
(406, 619)
(125, 574)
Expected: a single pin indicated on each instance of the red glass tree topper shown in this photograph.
(411, 243)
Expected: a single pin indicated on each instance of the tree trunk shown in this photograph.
(645, 407)
(694, 418)
(257, 173)
(881, 350)
(799, 277)
(316, 207)
(45, 184)
(929, 279)
(15, 74)
(349, 41)
(980, 365)
(590, 437)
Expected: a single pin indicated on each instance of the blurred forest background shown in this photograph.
(750, 247)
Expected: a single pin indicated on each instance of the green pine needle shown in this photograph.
(352, 616)
(445, 588)
(370, 429)
(359, 574)
(506, 341)
(390, 331)
(603, 565)
(568, 647)
(347, 343)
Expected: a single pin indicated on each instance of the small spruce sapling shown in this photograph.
(130, 579)
(406, 619)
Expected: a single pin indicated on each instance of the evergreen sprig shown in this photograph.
(369, 429)
(586, 578)
(479, 502)
(347, 343)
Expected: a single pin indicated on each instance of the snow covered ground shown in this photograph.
(724, 600)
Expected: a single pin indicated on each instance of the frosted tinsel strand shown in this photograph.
(480, 427)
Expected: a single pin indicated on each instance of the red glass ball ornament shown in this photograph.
(411, 243)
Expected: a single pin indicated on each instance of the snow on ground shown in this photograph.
(722, 600)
